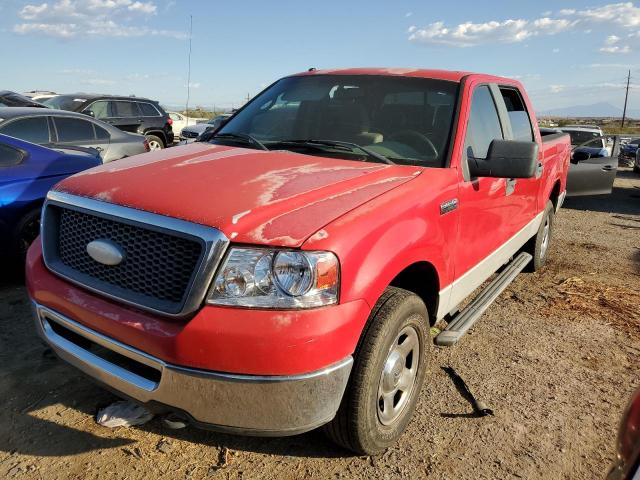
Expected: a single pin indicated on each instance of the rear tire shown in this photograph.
(636, 168)
(387, 375)
(539, 245)
(26, 232)
(155, 142)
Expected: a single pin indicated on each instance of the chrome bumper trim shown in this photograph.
(249, 404)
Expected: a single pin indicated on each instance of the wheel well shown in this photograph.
(421, 278)
(555, 194)
(158, 134)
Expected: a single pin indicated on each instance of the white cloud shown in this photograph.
(469, 34)
(143, 7)
(616, 49)
(408, 14)
(612, 39)
(556, 50)
(90, 18)
(556, 88)
(618, 16)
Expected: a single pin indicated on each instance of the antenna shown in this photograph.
(626, 97)
(186, 110)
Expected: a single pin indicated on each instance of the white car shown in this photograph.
(180, 121)
(581, 134)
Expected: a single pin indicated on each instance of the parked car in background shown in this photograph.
(627, 463)
(131, 114)
(40, 95)
(180, 121)
(27, 172)
(628, 150)
(59, 128)
(592, 170)
(636, 164)
(581, 134)
(189, 134)
(13, 99)
(282, 273)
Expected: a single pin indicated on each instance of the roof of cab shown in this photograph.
(450, 75)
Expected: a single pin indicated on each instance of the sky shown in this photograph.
(565, 52)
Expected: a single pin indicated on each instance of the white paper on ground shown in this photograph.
(123, 414)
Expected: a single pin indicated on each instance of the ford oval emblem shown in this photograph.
(105, 252)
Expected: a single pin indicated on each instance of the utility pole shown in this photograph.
(189, 66)
(626, 97)
(248, 97)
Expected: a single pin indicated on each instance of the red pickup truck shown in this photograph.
(282, 273)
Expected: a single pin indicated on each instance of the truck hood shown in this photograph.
(258, 197)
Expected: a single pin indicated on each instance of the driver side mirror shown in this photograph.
(89, 112)
(506, 159)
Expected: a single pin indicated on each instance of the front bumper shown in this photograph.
(247, 404)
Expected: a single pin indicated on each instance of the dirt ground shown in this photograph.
(556, 358)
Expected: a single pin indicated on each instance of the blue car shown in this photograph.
(27, 172)
(628, 150)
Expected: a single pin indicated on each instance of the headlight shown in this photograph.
(266, 278)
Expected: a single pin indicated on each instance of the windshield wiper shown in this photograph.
(239, 136)
(340, 145)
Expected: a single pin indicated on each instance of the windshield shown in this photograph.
(579, 137)
(407, 120)
(63, 102)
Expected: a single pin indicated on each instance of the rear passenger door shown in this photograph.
(78, 132)
(125, 115)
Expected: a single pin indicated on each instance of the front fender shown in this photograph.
(378, 240)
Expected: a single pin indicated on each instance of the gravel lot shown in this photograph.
(556, 358)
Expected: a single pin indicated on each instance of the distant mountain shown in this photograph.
(601, 109)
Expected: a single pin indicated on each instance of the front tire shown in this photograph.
(387, 375)
(539, 245)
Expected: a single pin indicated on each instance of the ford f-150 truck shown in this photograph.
(282, 273)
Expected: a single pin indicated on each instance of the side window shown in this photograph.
(518, 115)
(484, 123)
(9, 156)
(100, 109)
(148, 110)
(33, 129)
(101, 133)
(175, 117)
(73, 129)
(125, 109)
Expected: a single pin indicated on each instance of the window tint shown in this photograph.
(518, 116)
(148, 110)
(175, 117)
(125, 109)
(484, 124)
(101, 133)
(10, 156)
(100, 109)
(73, 129)
(34, 129)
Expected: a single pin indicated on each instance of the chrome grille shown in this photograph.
(167, 265)
(188, 134)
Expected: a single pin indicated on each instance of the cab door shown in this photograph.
(485, 207)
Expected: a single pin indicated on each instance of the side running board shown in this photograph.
(464, 320)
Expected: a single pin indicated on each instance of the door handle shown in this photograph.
(539, 169)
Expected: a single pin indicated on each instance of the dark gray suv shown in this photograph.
(131, 114)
